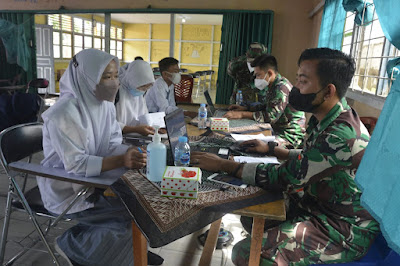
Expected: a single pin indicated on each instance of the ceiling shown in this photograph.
(165, 18)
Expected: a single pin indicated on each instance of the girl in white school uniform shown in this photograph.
(135, 78)
(82, 136)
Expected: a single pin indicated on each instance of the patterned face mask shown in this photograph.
(107, 90)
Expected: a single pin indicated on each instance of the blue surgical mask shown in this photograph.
(135, 92)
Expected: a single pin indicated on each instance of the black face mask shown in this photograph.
(303, 102)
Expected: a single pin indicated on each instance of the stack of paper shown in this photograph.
(264, 160)
(153, 119)
(240, 137)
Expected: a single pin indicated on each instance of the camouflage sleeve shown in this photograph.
(329, 155)
(275, 106)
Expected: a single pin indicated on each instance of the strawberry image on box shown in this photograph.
(219, 124)
(181, 182)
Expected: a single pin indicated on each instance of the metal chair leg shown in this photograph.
(6, 225)
(33, 219)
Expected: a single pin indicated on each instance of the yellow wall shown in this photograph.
(190, 53)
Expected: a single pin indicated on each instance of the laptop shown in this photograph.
(176, 127)
(214, 112)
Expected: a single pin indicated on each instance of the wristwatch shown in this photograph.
(271, 148)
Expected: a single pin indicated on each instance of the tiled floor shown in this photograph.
(183, 252)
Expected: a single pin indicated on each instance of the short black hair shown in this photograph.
(334, 67)
(265, 62)
(166, 62)
(138, 58)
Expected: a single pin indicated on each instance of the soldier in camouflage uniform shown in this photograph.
(328, 225)
(274, 108)
(239, 69)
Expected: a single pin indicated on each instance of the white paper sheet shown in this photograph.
(153, 119)
(265, 160)
(241, 137)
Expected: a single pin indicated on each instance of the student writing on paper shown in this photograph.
(328, 224)
(273, 107)
(82, 136)
(135, 78)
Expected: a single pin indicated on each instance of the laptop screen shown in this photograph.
(176, 127)
(209, 102)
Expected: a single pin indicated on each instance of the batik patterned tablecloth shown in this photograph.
(163, 220)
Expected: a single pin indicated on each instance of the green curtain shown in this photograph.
(238, 31)
(332, 25)
(364, 10)
(377, 176)
(9, 71)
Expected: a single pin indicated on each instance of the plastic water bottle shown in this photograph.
(239, 98)
(202, 116)
(182, 152)
(156, 158)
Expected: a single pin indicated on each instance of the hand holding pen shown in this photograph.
(135, 158)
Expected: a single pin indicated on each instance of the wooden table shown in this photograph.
(274, 210)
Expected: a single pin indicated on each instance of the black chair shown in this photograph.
(19, 142)
(183, 70)
(156, 69)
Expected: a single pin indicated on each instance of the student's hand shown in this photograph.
(144, 130)
(206, 161)
(233, 115)
(135, 159)
(255, 145)
(162, 131)
(235, 107)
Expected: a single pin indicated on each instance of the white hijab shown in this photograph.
(129, 107)
(136, 74)
(95, 119)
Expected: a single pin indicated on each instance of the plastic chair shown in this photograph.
(208, 78)
(183, 90)
(378, 255)
(156, 69)
(19, 142)
(183, 70)
(201, 83)
(369, 123)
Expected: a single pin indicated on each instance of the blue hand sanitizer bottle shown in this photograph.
(156, 158)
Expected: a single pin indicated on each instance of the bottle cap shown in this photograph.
(182, 139)
(240, 91)
(202, 105)
(156, 136)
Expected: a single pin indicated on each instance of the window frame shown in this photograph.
(92, 35)
(377, 98)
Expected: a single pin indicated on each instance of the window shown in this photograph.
(73, 34)
(371, 51)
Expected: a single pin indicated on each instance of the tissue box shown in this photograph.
(220, 124)
(181, 182)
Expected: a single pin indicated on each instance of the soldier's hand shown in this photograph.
(233, 115)
(235, 107)
(255, 145)
(135, 159)
(206, 161)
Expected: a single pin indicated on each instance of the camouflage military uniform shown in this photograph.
(244, 79)
(331, 226)
(287, 122)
